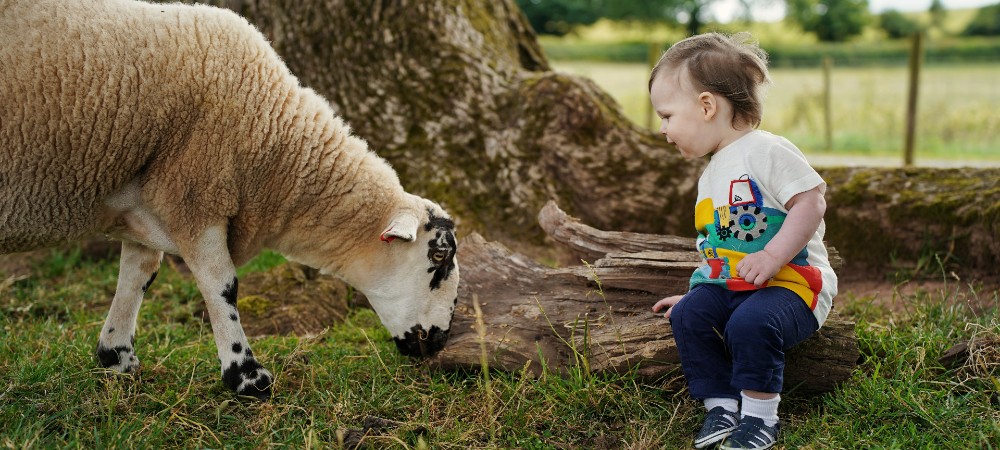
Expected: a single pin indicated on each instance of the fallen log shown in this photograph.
(597, 316)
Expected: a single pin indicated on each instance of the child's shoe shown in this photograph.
(752, 434)
(718, 423)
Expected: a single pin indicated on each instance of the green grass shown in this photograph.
(52, 395)
(957, 117)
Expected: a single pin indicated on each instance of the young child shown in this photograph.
(766, 282)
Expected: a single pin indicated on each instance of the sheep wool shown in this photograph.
(177, 128)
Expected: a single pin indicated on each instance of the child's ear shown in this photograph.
(708, 104)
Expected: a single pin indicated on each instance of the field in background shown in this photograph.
(958, 119)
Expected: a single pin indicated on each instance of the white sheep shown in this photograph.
(178, 129)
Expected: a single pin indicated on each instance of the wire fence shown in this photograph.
(856, 113)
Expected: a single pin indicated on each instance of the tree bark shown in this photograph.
(597, 316)
(459, 97)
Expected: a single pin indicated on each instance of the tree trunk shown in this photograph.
(597, 316)
(458, 96)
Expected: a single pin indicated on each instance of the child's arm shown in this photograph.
(805, 211)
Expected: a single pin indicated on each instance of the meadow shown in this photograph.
(348, 386)
(957, 121)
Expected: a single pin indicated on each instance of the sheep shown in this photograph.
(177, 128)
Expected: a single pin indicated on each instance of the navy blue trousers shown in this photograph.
(734, 340)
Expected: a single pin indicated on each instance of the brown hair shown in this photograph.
(732, 66)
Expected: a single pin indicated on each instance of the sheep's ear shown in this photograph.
(403, 226)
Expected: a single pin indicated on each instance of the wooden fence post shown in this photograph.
(916, 60)
(827, 103)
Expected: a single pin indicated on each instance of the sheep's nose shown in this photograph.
(419, 343)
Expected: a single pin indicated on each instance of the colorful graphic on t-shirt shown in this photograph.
(727, 233)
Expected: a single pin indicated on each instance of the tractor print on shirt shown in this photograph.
(744, 217)
(741, 226)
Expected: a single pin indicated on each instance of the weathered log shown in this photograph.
(597, 316)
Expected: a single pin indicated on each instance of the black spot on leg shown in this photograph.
(237, 347)
(111, 330)
(233, 317)
(229, 293)
(109, 357)
(236, 373)
(148, 283)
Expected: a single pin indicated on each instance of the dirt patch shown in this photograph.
(293, 299)
(976, 289)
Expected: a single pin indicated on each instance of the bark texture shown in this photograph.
(459, 97)
(597, 316)
(880, 217)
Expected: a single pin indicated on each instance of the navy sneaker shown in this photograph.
(718, 423)
(752, 434)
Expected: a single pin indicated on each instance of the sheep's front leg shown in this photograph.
(116, 345)
(213, 269)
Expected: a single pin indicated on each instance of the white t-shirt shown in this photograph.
(741, 198)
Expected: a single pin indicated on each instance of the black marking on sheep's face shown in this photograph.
(441, 249)
(229, 293)
(249, 374)
(420, 343)
(150, 282)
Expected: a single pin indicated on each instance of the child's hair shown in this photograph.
(733, 66)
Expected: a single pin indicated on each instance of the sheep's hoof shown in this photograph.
(120, 358)
(248, 378)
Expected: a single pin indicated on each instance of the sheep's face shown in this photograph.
(414, 285)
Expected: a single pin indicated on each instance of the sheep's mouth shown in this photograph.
(420, 343)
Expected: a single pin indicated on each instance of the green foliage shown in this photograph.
(830, 20)
(659, 11)
(985, 23)
(897, 25)
(938, 14)
(558, 17)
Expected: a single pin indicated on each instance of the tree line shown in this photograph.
(829, 20)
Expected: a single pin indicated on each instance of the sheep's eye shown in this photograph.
(439, 255)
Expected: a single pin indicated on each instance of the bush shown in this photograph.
(985, 23)
(896, 25)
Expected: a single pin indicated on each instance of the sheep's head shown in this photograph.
(413, 281)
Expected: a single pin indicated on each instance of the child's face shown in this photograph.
(684, 120)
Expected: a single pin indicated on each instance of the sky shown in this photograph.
(726, 10)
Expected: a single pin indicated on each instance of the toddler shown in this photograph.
(765, 283)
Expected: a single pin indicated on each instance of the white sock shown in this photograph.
(764, 409)
(730, 404)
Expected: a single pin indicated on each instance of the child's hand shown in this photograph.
(669, 302)
(758, 267)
